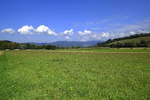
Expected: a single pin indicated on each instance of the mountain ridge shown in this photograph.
(70, 43)
(136, 40)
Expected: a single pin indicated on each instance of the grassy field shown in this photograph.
(77, 74)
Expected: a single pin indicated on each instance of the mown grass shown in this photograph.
(107, 50)
(50, 75)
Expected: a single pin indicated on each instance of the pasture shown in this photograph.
(75, 74)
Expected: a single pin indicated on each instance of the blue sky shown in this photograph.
(72, 20)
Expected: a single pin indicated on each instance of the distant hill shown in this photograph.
(75, 43)
(137, 40)
(71, 43)
(5, 44)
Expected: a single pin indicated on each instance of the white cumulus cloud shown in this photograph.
(8, 30)
(88, 35)
(68, 32)
(41, 29)
(85, 32)
(26, 29)
(44, 29)
(105, 34)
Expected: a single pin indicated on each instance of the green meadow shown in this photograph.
(75, 74)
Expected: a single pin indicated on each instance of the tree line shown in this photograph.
(13, 45)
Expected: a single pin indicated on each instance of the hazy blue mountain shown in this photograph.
(71, 43)
(75, 43)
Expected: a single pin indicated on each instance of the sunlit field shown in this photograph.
(75, 74)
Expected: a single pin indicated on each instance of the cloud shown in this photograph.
(26, 29)
(140, 27)
(88, 35)
(85, 32)
(105, 34)
(44, 29)
(132, 33)
(8, 30)
(112, 30)
(131, 29)
(68, 32)
(128, 28)
(67, 37)
(41, 29)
